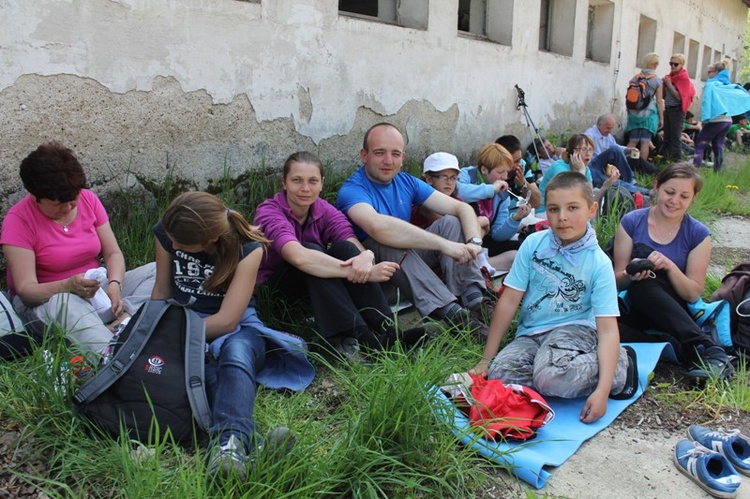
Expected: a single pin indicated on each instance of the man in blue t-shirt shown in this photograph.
(378, 198)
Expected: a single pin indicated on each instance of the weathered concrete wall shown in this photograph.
(140, 85)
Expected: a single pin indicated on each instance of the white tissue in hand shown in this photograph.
(100, 301)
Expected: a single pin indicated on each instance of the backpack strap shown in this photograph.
(195, 381)
(151, 314)
(9, 320)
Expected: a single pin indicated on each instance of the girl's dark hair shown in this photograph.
(301, 157)
(199, 218)
(680, 170)
(53, 172)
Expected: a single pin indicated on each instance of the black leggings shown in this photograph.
(654, 304)
(497, 247)
(339, 306)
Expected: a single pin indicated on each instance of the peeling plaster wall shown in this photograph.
(140, 85)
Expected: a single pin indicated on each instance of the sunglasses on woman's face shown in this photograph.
(674, 64)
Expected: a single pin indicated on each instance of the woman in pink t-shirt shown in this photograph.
(52, 237)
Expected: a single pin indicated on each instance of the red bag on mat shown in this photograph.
(512, 411)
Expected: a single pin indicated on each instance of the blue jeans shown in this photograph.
(231, 385)
(615, 156)
(612, 156)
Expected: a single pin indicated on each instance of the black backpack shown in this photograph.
(735, 288)
(638, 96)
(616, 202)
(153, 384)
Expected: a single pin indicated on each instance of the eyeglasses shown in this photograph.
(447, 178)
(584, 150)
(674, 64)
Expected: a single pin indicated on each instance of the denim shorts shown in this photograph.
(640, 134)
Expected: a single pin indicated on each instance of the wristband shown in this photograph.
(119, 284)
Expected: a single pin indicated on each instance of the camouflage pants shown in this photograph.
(561, 362)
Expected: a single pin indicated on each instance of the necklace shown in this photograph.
(65, 227)
(659, 232)
(70, 218)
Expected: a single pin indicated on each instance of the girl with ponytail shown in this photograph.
(207, 257)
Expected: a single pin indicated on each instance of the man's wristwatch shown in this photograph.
(475, 240)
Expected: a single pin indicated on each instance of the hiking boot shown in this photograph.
(389, 336)
(228, 459)
(278, 444)
(711, 362)
(451, 314)
(413, 338)
(488, 306)
(709, 469)
(347, 348)
(631, 380)
(731, 444)
(477, 326)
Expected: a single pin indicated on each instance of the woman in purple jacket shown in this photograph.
(314, 243)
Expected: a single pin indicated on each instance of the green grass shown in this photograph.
(363, 430)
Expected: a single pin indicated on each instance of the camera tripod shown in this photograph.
(533, 130)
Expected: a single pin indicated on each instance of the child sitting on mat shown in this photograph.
(567, 343)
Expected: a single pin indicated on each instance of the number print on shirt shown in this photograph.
(190, 274)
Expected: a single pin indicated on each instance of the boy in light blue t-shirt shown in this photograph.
(567, 343)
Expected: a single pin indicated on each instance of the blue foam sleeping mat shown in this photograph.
(560, 439)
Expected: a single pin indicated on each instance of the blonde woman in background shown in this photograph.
(643, 124)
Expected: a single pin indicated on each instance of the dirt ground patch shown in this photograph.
(731, 243)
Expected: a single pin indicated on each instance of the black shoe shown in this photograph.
(413, 338)
(631, 380)
(711, 362)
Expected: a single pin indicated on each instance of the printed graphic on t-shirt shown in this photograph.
(190, 274)
(560, 289)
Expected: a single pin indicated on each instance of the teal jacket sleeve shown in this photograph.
(469, 190)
